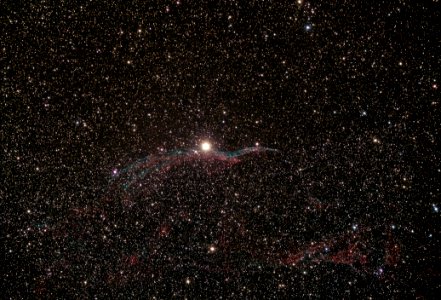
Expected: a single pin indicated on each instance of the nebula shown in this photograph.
(217, 216)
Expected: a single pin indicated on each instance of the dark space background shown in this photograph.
(346, 91)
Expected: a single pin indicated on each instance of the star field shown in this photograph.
(220, 149)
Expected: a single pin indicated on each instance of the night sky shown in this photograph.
(220, 149)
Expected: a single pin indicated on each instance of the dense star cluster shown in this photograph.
(220, 149)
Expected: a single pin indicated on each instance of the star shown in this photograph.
(212, 249)
(206, 146)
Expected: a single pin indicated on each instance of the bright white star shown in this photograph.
(206, 146)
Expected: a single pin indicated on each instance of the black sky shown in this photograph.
(346, 89)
